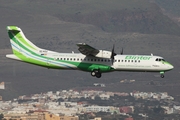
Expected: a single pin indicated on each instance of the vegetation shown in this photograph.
(1, 116)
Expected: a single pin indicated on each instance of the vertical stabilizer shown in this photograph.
(20, 44)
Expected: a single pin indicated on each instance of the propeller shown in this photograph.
(112, 55)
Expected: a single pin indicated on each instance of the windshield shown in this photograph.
(159, 59)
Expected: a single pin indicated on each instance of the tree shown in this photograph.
(1, 116)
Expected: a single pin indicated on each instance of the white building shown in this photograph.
(98, 108)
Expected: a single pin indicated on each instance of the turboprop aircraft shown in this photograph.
(89, 59)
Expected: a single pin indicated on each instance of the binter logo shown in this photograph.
(133, 57)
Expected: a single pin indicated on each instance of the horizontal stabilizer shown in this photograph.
(12, 56)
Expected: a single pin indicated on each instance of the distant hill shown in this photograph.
(170, 8)
(139, 26)
(109, 15)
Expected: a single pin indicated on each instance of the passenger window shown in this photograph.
(121, 60)
(118, 60)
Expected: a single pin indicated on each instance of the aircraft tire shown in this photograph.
(93, 73)
(98, 74)
(162, 75)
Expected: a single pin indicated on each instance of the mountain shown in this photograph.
(170, 8)
(139, 26)
(139, 16)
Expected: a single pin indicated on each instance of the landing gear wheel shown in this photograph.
(162, 75)
(93, 73)
(96, 73)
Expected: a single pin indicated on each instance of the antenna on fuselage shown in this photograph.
(122, 51)
(151, 54)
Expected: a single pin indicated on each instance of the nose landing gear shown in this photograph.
(162, 74)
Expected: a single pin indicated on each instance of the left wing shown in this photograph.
(87, 50)
(90, 51)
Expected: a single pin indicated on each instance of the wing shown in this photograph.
(90, 51)
(87, 50)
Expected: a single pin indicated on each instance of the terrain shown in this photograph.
(137, 26)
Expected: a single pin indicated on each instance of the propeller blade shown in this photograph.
(113, 54)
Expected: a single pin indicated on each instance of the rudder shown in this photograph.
(19, 42)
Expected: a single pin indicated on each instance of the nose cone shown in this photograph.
(170, 66)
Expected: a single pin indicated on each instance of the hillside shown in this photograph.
(170, 8)
(111, 16)
(138, 26)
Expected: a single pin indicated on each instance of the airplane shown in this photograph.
(89, 59)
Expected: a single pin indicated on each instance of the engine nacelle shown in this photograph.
(104, 54)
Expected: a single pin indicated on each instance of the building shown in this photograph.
(126, 109)
(2, 85)
(129, 118)
(98, 109)
(38, 115)
(97, 118)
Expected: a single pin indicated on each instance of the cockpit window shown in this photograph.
(159, 59)
(163, 60)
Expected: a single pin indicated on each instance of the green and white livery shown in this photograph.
(89, 59)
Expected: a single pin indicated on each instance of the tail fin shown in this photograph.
(19, 42)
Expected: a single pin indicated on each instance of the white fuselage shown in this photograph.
(121, 62)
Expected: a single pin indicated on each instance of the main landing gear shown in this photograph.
(96, 73)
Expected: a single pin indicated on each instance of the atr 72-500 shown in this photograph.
(89, 59)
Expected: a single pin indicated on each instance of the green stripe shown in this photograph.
(80, 65)
(19, 36)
